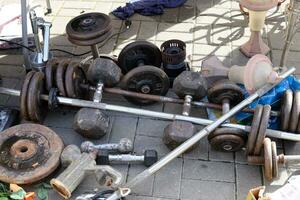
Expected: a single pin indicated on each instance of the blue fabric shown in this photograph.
(146, 7)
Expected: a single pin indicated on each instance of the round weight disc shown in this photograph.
(29, 153)
(146, 80)
(262, 129)
(73, 80)
(91, 42)
(225, 89)
(287, 102)
(88, 26)
(50, 73)
(274, 160)
(139, 53)
(227, 139)
(254, 130)
(23, 96)
(268, 159)
(36, 108)
(295, 112)
(60, 76)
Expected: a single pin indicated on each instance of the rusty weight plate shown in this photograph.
(60, 76)
(23, 96)
(36, 108)
(91, 42)
(227, 139)
(294, 118)
(263, 125)
(286, 109)
(28, 153)
(268, 167)
(50, 73)
(73, 80)
(274, 160)
(254, 130)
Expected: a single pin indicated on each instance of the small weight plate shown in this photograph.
(60, 76)
(225, 89)
(254, 130)
(50, 73)
(29, 153)
(88, 26)
(295, 112)
(274, 160)
(146, 80)
(73, 80)
(262, 129)
(286, 109)
(227, 139)
(139, 53)
(91, 42)
(24, 94)
(268, 168)
(36, 108)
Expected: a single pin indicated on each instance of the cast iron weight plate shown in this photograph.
(24, 93)
(268, 168)
(286, 108)
(137, 54)
(50, 71)
(73, 80)
(28, 153)
(91, 42)
(227, 139)
(294, 117)
(36, 108)
(146, 80)
(274, 160)
(60, 76)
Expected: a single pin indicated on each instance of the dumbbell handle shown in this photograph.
(282, 159)
(126, 158)
(187, 105)
(125, 146)
(98, 92)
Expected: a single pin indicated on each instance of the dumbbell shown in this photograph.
(124, 146)
(188, 85)
(148, 158)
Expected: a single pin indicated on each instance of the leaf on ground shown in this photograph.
(19, 195)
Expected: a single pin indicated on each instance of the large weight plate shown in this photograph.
(275, 170)
(29, 153)
(23, 96)
(146, 80)
(286, 108)
(60, 76)
(91, 42)
(295, 112)
(268, 167)
(36, 108)
(73, 80)
(50, 73)
(139, 53)
(254, 130)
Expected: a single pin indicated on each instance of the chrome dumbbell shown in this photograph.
(124, 146)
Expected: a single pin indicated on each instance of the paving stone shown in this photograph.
(147, 30)
(202, 33)
(67, 115)
(59, 25)
(151, 127)
(11, 60)
(200, 152)
(206, 190)
(176, 27)
(12, 71)
(145, 187)
(278, 182)
(123, 127)
(79, 5)
(163, 36)
(214, 16)
(210, 171)
(215, 155)
(204, 49)
(187, 12)
(167, 181)
(170, 15)
(132, 32)
(144, 142)
(103, 7)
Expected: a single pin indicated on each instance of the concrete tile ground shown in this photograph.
(208, 27)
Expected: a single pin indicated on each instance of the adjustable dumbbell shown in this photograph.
(148, 158)
(188, 85)
(124, 146)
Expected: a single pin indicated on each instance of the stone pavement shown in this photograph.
(208, 27)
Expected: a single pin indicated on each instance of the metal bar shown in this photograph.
(190, 142)
(24, 9)
(95, 51)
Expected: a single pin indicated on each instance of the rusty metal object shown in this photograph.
(254, 130)
(24, 94)
(91, 42)
(74, 78)
(50, 71)
(227, 139)
(275, 170)
(28, 153)
(294, 116)
(268, 165)
(60, 76)
(286, 109)
(36, 107)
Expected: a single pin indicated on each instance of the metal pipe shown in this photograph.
(24, 9)
(125, 190)
(95, 51)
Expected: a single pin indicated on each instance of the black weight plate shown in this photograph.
(24, 94)
(286, 109)
(50, 73)
(73, 80)
(36, 108)
(60, 76)
(295, 112)
(225, 89)
(92, 41)
(88, 26)
(146, 80)
(139, 53)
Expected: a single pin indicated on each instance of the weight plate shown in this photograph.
(88, 26)
(286, 108)
(295, 112)
(36, 108)
(50, 73)
(254, 130)
(23, 96)
(91, 42)
(264, 122)
(227, 139)
(225, 89)
(73, 80)
(274, 160)
(146, 80)
(60, 76)
(139, 53)
(268, 159)
(28, 153)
